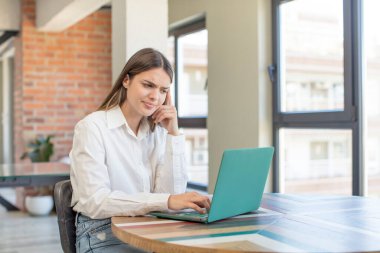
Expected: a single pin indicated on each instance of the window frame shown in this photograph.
(349, 118)
(195, 25)
(178, 32)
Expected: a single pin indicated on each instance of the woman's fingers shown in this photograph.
(196, 208)
(166, 115)
(189, 200)
(164, 112)
(206, 203)
(168, 98)
(201, 201)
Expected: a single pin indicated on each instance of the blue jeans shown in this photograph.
(96, 236)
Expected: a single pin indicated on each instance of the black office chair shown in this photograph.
(66, 215)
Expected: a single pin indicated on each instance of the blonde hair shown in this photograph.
(143, 60)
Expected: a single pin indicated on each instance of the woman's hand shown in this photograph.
(189, 200)
(166, 115)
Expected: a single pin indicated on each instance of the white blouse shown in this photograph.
(114, 172)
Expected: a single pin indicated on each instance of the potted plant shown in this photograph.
(40, 149)
(39, 200)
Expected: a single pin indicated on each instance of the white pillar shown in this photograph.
(137, 24)
(9, 15)
(239, 90)
(7, 63)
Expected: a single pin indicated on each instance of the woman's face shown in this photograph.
(146, 91)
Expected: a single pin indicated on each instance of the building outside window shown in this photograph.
(312, 106)
(188, 52)
(326, 96)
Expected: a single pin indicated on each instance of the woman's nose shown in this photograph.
(154, 94)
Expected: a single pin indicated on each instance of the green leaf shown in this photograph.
(40, 149)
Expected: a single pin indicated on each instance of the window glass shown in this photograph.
(170, 56)
(372, 94)
(197, 155)
(316, 160)
(312, 49)
(190, 58)
(192, 74)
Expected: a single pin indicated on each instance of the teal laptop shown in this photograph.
(239, 186)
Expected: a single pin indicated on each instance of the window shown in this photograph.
(312, 55)
(188, 53)
(371, 94)
(316, 160)
(317, 125)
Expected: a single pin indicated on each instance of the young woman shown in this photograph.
(128, 157)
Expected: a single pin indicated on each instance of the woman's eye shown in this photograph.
(164, 91)
(148, 85)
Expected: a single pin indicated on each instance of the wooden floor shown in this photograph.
(20, 232)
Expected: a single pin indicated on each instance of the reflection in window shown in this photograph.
(190, 58)
(340, 150)
(192, 73)
(312, 55)
(315, 160)
(319, 150)
(197, 155)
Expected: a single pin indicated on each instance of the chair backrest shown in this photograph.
(66, 215)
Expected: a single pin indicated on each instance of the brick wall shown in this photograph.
(60, 77)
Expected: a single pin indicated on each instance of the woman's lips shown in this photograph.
(149, 106)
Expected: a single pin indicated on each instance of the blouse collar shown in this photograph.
(115, 118)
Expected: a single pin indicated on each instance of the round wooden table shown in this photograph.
(284, 223)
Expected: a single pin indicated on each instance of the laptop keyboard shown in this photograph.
(194, 214)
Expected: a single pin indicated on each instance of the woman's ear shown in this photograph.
(126, 81)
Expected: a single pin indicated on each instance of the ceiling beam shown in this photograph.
(57, 15)
(4, 36)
